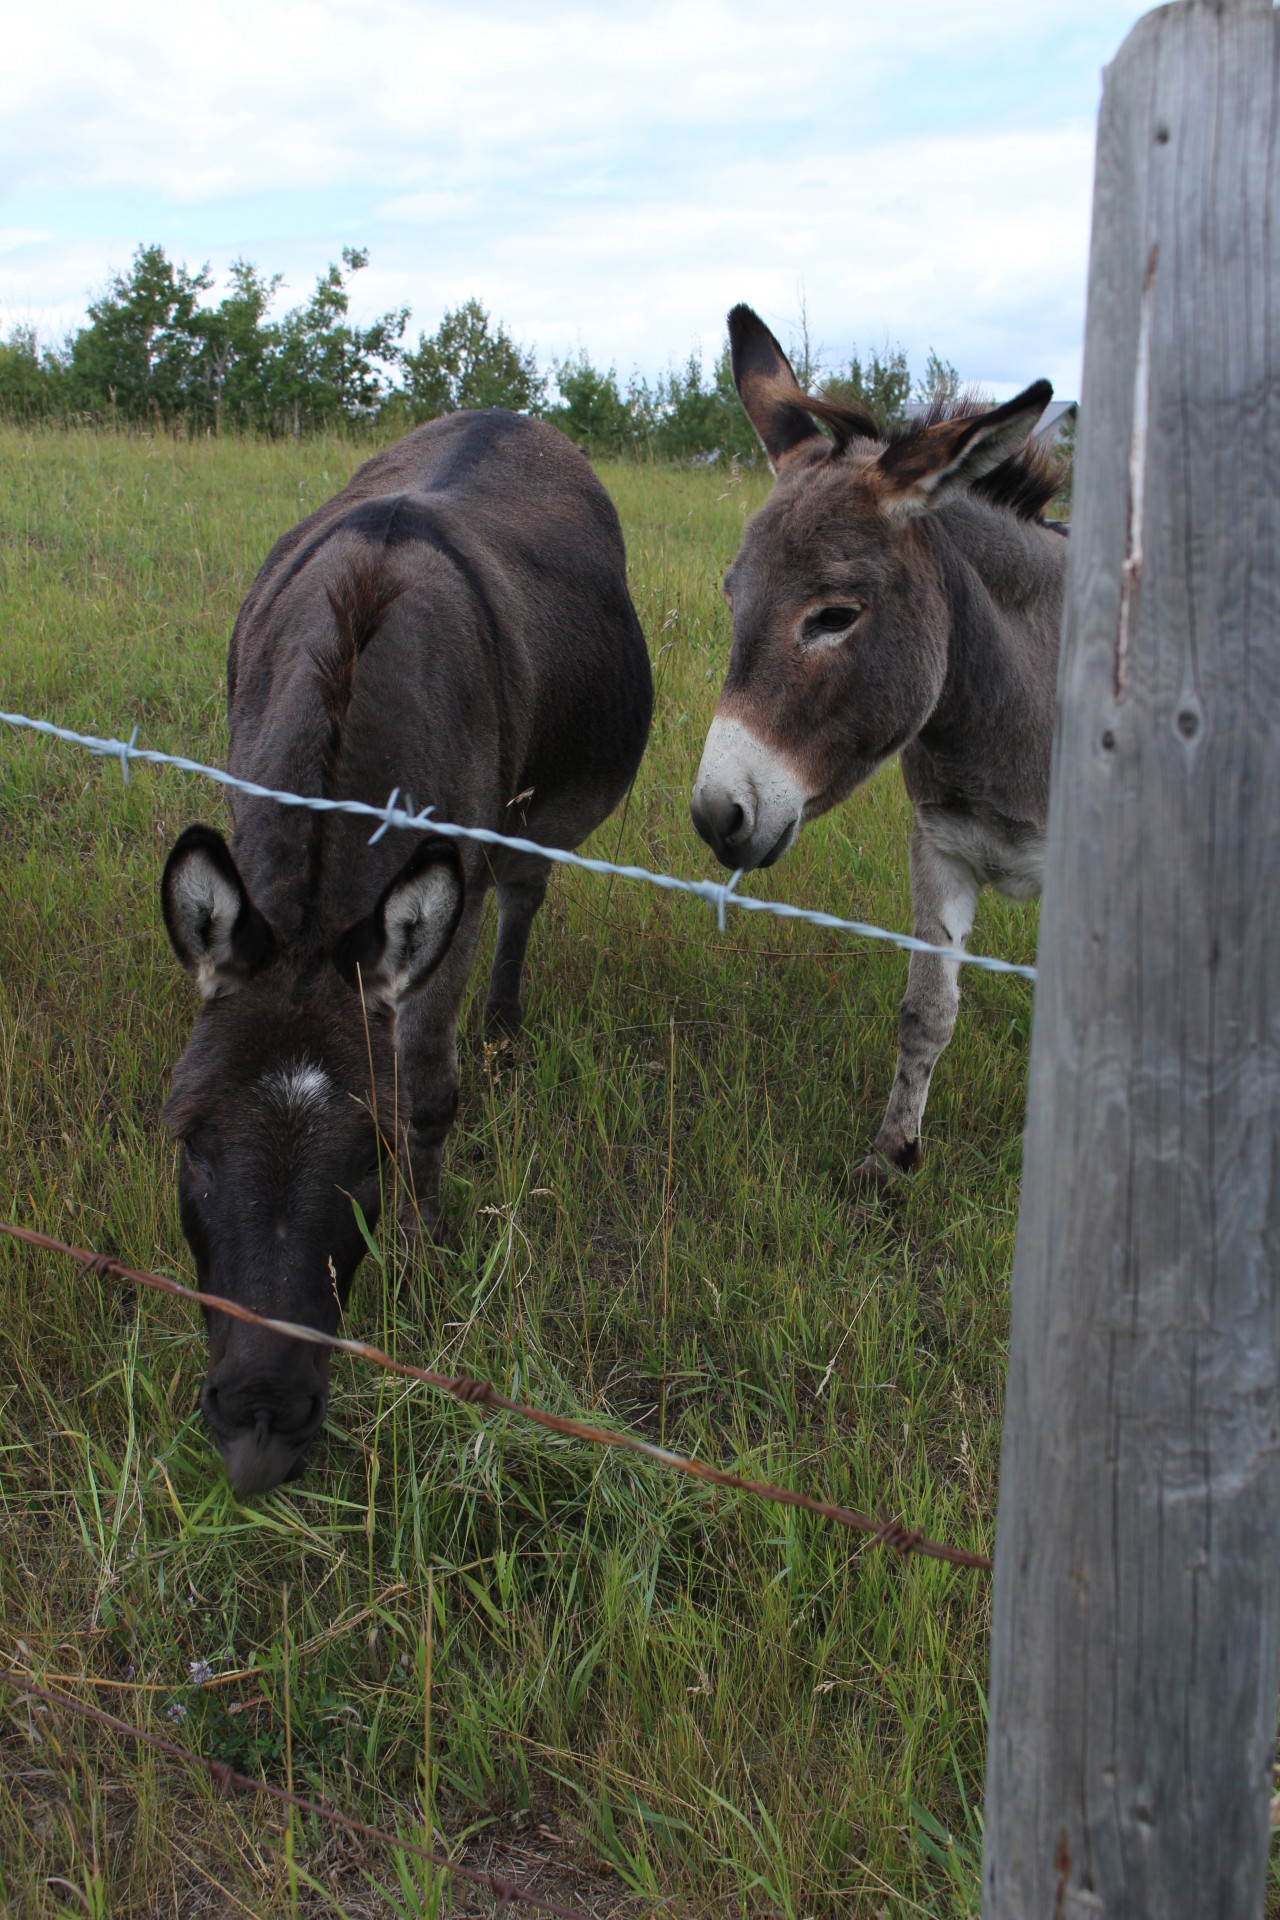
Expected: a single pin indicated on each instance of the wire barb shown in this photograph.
(121, 750)
(892, 1533)
(723, 894)
(378, 832)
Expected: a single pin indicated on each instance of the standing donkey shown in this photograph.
(454, 623)
(892, 597)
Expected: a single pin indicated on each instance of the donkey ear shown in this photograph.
(773, 400)
(217, 932)
(926, 468)
(410, 930)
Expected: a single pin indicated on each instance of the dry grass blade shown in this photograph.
(504, 1891)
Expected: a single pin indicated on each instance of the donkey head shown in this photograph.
(282, 1128)
(840, 618)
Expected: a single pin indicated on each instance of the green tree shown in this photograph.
(805, 358)
(318, 367)
(592, 410)
(737, 435)
(141, 350)
(238, 347)
(32, 381)
(687, 412)
(940, 385)
(467, 362)
(881, 386)
(693, 416)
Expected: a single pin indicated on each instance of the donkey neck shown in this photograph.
(986, 744)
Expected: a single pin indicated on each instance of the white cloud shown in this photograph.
(13, 238)
(595, 176)
(958, 242)
(222, 99)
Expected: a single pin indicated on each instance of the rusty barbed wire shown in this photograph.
(504, 1891)
(482, 1394)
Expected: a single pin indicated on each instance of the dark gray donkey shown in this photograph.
(892, 597)
(455, 622)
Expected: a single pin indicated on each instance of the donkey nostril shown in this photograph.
(733, 822)
(261, 1415)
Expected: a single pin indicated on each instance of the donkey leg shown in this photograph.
(521, 890)
(944, 893)
(427, 1053)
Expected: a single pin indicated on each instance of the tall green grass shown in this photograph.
(642, 1692)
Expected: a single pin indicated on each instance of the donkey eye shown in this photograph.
(828, 621)
(197, 1151)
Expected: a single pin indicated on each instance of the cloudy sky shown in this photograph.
(601, 176)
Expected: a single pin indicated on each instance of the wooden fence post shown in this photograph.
(1137, 1594)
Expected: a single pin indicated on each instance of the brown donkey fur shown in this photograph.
(455, 622)
(904, 596)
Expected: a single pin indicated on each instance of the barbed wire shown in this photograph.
(717, 893)
(482, 1394)
(504, 1891)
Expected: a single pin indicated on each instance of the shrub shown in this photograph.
(469, 363)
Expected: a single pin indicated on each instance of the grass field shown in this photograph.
(642, 1692)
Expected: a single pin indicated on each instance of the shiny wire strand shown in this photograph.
(719, 894)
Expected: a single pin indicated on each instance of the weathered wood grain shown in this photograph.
(1137, 1596)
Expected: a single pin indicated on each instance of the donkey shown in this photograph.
(456, 622)
(899, 596)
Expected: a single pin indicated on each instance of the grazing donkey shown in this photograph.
(456, 622)
(892, 597)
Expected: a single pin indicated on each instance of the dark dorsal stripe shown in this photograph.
(361, 598)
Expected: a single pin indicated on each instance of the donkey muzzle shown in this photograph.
(747, 802)
(264, 1407)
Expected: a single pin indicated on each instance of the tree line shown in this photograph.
(156, 349)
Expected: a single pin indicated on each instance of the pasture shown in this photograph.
(642, 1692)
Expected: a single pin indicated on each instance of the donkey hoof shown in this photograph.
(881, 1171)
(502, 1019)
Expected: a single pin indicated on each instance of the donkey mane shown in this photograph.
(1025, 483)
(360, 598)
